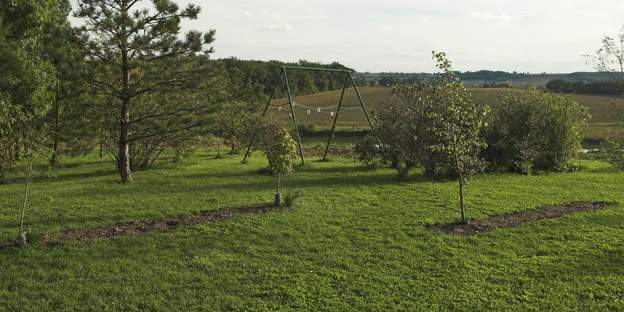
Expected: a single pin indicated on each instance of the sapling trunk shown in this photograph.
(461, 199)
(21, 236)
(57, 111)
(278, 195)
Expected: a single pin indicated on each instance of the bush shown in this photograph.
(367, 152)
(534, 130)
(613, 151)
(418, 131)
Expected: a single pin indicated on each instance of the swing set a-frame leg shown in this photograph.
(266, 108)
(348, 79)
(333, 128)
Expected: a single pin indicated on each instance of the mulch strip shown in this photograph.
(143, 227)
(514, 219)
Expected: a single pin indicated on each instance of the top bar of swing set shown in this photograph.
(318, 69)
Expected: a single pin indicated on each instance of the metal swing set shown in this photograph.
(348, 79)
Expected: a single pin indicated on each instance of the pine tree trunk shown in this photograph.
(124, 136)
(124, 144)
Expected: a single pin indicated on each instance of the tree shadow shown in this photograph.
(62, 177)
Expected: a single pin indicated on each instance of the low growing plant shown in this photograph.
(290, 197)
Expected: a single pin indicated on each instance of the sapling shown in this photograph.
(21, 235)
(281, 151)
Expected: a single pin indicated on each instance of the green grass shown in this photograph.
(357, 240)
(602, 125)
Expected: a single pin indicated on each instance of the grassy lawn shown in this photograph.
(356, 240)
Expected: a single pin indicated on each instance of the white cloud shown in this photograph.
(277, 27)
(385, 27)
(502, 17)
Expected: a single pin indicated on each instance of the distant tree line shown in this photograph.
(582, 87)
(252, 81)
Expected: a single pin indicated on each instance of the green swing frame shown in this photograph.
(348, 79)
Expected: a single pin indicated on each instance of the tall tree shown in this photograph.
(27, 77)
(137, 51)
(71, 118)
(610, 57)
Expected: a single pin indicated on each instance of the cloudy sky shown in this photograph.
(399, 35)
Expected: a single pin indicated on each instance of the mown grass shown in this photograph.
(356, 240)
(603, 123)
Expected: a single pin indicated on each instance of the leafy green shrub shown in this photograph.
(435, 122)
(367, 152)
(232, 125)
(613, 151)
(535, 130)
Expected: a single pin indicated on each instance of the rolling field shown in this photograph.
(602, 124)
(356, 240)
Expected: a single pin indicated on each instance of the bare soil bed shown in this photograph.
(514, 219)
(143, 227)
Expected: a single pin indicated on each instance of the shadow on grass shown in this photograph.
(259, 183)
(63, 177)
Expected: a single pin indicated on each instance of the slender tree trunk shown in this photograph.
(278, 195)
(461, 199)
(18, 146)
(21, 236)
(101, 144)
(124, 127)
(55, 133)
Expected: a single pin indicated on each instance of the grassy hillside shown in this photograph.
(356, 240)
(602, 124)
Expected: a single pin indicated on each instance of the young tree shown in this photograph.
(457, 122)
(280, 148)
(438, 126)
(138, 53)
(610, 57)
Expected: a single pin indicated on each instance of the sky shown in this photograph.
(398, 35)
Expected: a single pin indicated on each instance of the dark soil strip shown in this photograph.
(514, 219)
(140, 228)
(143, 227)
